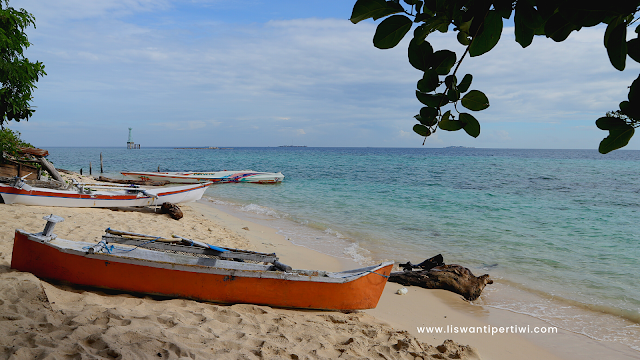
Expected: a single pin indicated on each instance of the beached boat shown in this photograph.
(99, 195)
(214, 176)
(151, 265)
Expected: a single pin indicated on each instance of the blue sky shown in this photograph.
(269, 73)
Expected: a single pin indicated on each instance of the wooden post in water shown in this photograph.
(101, 171)
(89, 167)
(80, 171)
(158, 168)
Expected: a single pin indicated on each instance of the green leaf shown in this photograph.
(463, 39)
(489, 36)
(428, 116)
(443, 61)
(448, 124)
(471, 125)
(524, 35)
(634, 91)
(633, 49)
(421, 130)
(558, 29)
(465, 27)
(376, 9)
(420, 33)
(527, 15)
(631, 109)
(429, 81)
(453, 95)
(610, 123)
(525, 20)
(451, 81)
(419, 4)
(465, 83)
(433, 23)
(503, 8)
(420, 54)
(618, 138)
(475, 100)
(616, 45)
(431, 100)
(582, 17)
(390, 31)
(612, 25)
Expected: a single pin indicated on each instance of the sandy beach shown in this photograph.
(48, 320)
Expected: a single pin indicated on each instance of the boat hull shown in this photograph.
(197, 282)
(68, 198)
(216, 176)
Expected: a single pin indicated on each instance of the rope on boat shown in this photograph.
(110, 248)
(373, 272)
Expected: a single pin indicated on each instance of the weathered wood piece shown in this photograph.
(161, 244)
(452, 277)
(10, 169)
(33, 151)
(172, 209)
(425, 265)
(50, 168)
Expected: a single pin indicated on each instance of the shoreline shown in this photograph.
(394, 315)
(405, 312)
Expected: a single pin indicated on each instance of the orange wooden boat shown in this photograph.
(213, 274)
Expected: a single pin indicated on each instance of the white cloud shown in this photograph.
(65, 10)
(106, 64)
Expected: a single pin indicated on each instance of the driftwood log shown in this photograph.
(49, 167)
(433, 273)
(172, 209)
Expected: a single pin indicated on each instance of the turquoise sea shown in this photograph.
(558, 230)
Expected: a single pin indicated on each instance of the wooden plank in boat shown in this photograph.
(150, 244)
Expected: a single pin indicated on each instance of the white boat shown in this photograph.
(99, 195)
(213, 176)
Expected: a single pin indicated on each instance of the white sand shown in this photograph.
(44, 320)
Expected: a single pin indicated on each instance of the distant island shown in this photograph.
(459, 147)
(201, 148)
(293, 146)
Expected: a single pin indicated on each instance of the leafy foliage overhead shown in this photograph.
(479, 24)
(17, 74)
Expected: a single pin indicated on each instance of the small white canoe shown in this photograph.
(213, 176)
(84, 196)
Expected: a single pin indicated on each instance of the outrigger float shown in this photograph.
(185, 268)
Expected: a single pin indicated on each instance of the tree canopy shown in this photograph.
(17, 74)
(479, 24)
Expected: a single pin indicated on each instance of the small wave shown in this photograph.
(260, 210)
(596, 321)
(216, 201)
(358, 254)
(334, 233)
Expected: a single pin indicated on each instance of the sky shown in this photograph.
(196, 73)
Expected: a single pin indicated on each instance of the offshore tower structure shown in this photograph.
(130, 143)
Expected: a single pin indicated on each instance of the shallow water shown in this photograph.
(556, 228)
